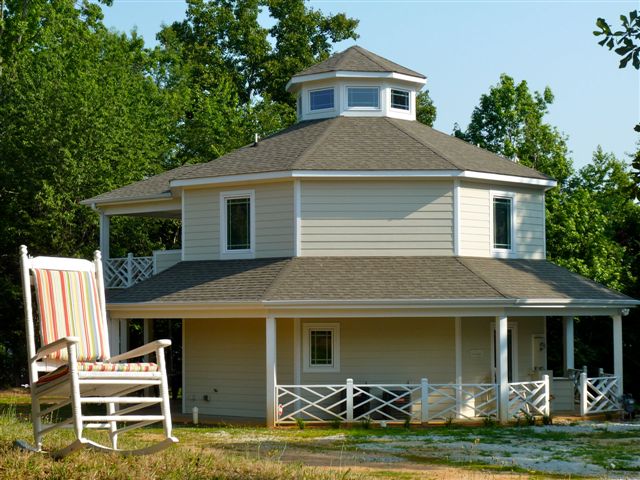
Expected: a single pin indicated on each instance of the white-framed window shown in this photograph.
(322, 99)
(366, 98)
(321, 347)
(503, 216)
(400, 99)
(237, 222)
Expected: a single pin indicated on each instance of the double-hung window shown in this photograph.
(321, 99)
(363, 97)
(321, 347)
(237, 222)
(503, 213)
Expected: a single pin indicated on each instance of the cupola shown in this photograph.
(356, 83)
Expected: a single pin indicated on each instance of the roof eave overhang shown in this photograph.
(372, 308)
(137, 199)
(547, 183)
(299, 79)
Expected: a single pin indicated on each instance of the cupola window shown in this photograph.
(400, 99)
(363, 97)
(321, 99)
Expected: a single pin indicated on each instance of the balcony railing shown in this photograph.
(126, 271)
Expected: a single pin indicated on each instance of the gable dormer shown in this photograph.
(356, 83)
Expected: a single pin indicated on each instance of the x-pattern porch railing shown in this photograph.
(124, 272)
(598, 394)
(420, 402)
(529, 398)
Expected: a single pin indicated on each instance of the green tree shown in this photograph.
(425, 109)
(626, 40)
(229, 74)
(80, 114)
(509, 121)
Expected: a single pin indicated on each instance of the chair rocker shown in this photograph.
(73, 365)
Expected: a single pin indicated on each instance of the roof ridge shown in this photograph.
(276, 279)
(316, 143)
(481, 277)
(424, 144)
(367, 53)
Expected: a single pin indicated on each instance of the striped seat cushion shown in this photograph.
(69, 305)
(99, 367)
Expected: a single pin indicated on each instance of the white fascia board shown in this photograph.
(257, 177)
(297, 80)
(497, 177)
(139, 199)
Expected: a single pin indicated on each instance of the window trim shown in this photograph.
(502, 252)
(408, 92)
(320, 110)
(365, 109)
(234, 194)
(307, 328)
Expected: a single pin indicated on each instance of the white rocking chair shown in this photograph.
(73, 364)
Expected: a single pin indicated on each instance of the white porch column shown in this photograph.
(617, 350)
(458, 334)
(502, 365)
(124, 335)
(271, 370)
(114, 335)
(567, 326)
(104, 236)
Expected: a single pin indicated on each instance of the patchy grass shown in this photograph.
(229, 452)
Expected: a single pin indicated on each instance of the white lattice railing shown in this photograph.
(351, 402)
(598, 394)
(529, 398)
(124, 272)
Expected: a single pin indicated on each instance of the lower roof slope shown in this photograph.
(326, 279)
(337, 144)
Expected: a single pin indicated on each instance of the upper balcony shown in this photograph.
(126, 271)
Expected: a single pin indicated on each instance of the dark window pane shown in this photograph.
(238, 224)
(400, 99)
(363, 97)
(502, 223)
(321, 99)
(321, 347)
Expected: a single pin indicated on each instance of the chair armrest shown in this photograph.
(59, 344)
(140, 351)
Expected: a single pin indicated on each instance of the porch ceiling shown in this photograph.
(372, 282)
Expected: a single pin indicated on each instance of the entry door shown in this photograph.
(512, 344)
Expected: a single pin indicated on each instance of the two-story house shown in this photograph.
(360, 264)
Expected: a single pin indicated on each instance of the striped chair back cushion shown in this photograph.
(69, 305)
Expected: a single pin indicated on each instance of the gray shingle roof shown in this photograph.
(339, 143)
(357, 59)
(364, 278)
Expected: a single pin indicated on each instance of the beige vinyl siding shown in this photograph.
(273, 214)
(475, 231)
(225, 359)
(164, 259)
(385, 350)
(475, 220)
(376, 218)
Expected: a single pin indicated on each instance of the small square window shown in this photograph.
(321, 347)
(363, 97)
(400, 99)
(321, 99)
(502, 211)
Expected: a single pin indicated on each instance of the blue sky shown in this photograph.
(464, 46)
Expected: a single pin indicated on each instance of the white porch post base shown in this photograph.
(271, 370)
(617, 351)
(503, 368)
(567, 327)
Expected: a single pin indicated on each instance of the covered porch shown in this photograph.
(254, 348)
